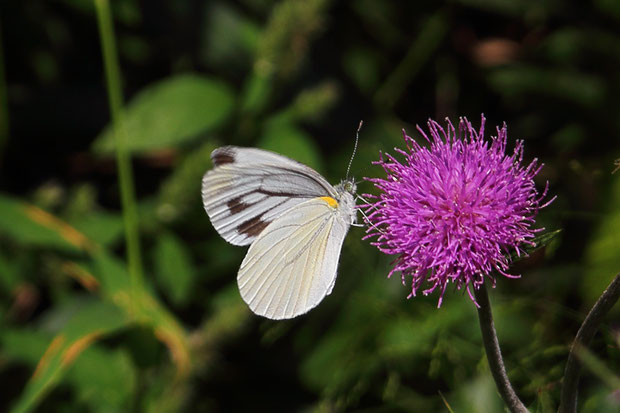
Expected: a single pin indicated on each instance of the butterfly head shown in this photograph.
(347, 185)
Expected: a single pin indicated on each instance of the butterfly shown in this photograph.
(293, 220)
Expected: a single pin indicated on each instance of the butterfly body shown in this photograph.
(294, 221)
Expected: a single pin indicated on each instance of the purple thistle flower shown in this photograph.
(452, 212)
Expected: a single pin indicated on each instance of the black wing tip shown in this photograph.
(223, 155)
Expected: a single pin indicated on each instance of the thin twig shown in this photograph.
(568, 396)
(494, 354)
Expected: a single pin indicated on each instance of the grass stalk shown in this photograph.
(125, 174)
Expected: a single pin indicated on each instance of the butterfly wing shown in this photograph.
(292, 264)
(249, 188)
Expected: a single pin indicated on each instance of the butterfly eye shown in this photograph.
(349, 186)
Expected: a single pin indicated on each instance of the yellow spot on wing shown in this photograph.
(330, 201)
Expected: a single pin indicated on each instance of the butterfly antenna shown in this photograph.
(357, 138)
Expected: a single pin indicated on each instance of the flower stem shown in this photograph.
(568, 396)
(125, 174)
(494, 355)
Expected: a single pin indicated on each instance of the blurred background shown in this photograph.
(296, 77)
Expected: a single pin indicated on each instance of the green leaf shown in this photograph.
(167, 330)
(174, 269)
(102, 227)
(25, 345)
(145, 308)
(87, 326)
(112, 276)
(171, 112)
(30, 225)
(540, 241)
(104, 379)
(543, 240)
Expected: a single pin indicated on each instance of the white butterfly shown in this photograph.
(293, 219)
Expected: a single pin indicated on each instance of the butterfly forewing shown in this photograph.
(250, 188)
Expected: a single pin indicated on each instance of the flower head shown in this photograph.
(453, 212)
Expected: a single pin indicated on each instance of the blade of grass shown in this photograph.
(92, 323)
(115, 100)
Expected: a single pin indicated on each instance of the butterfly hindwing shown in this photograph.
(292, 264)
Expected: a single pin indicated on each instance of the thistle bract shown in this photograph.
(453, 210)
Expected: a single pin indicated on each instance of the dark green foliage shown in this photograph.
(296, 77)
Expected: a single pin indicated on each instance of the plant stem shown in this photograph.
(568, 396)
(125, 174)
(494, 354)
